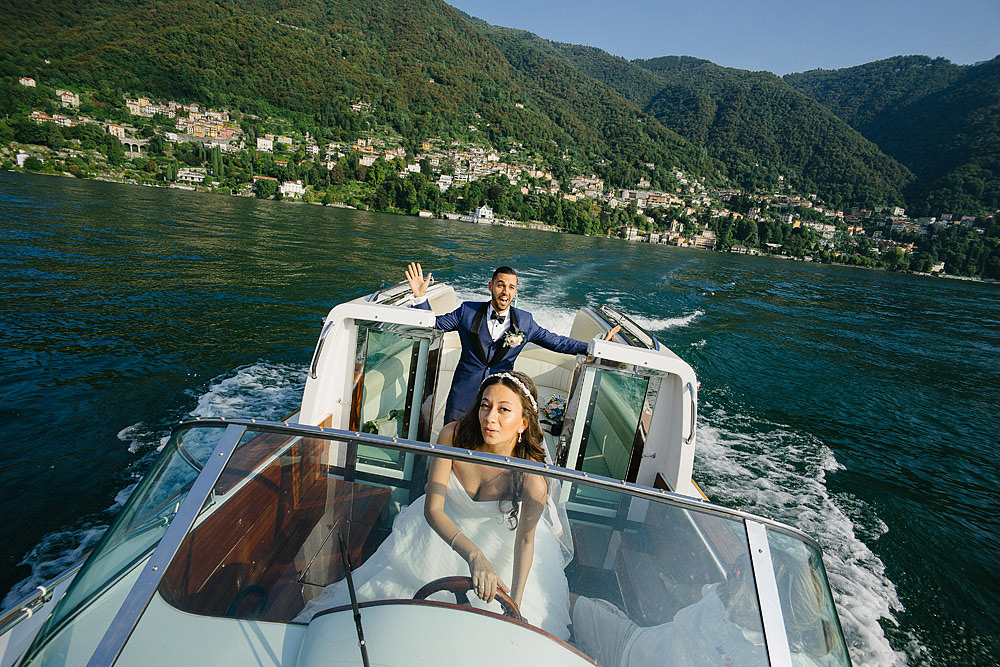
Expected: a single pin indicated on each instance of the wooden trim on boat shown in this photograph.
(225, 578)
(659, 482)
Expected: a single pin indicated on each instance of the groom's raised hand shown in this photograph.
(415, 276)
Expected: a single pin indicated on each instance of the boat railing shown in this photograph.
(474, 456)
(25, 608)
(635, 333)
(250, 457)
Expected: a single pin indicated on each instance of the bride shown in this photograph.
(476, 519)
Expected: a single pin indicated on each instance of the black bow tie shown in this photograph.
(498, 317)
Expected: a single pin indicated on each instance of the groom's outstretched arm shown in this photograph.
(418, 283)
(418, 286)
(557, 343)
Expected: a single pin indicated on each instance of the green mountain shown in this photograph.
(425, 68)
(566, 92)
(754, 123)
(939, 119)
(859, 95)
(429, 70)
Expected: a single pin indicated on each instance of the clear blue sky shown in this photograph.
(781, 36)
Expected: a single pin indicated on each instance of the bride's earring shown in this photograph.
(521, 433)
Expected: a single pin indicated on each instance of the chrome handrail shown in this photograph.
(486, 458)
(153, 570)
(24, 608)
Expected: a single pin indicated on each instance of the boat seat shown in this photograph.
(450, 355)
(551, 370)
(383, 393)
(552, 373)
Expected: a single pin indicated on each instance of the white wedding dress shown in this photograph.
(413, 555)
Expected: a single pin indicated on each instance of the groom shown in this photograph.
(492, 334)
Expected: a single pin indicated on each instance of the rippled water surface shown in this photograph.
(857, 405)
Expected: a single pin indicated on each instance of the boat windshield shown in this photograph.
(616, 572)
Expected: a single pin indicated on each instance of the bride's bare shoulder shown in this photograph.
(447, 434)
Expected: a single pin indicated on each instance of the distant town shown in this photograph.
(191, 147)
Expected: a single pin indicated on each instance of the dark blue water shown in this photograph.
(859, 406)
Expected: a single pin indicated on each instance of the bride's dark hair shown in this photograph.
(469, 433)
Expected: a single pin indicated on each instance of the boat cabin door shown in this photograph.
(631, 416)
(395, 371)
(374, 370)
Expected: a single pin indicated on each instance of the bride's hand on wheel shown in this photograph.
(485, 579)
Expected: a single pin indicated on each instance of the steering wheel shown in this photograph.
(462, 585)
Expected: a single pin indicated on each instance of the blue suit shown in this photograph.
(481, 356)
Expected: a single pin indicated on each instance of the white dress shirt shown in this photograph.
(497, 329)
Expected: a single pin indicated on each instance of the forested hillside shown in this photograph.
(423, 67)
(563, 91)
(428, 70)
(939, 119)
(859, 95)
(755, 124)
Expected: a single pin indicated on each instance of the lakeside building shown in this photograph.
(192, 176)
(23, 157)
(68, 98)
(292, 189)
(483, 215)
(27, 81)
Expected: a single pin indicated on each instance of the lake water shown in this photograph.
(859, 406)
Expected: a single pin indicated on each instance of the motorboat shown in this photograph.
(241, 524)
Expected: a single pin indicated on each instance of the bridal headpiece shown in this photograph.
(520, 385)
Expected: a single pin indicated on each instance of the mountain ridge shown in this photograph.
(939, 119)
(432, 70)
(755, 124)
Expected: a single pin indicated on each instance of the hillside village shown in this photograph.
(189, 146)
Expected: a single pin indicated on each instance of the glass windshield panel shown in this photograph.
(142, 521)
(674, 582)
(392, 375)
(811, 622)
(615, 407)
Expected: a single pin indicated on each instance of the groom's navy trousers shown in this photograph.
(481, 356)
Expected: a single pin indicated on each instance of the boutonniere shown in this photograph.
(512, 339)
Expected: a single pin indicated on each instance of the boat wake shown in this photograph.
(262, 390)
(746, 463)
(659, 324)
(559, 319)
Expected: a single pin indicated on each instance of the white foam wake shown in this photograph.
(263, 390)
(659, 324)
(53, 555)
(559, 319)
(771, 471)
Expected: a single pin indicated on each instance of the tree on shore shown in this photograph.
(265, 188)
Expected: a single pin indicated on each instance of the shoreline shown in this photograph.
(514, 224)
